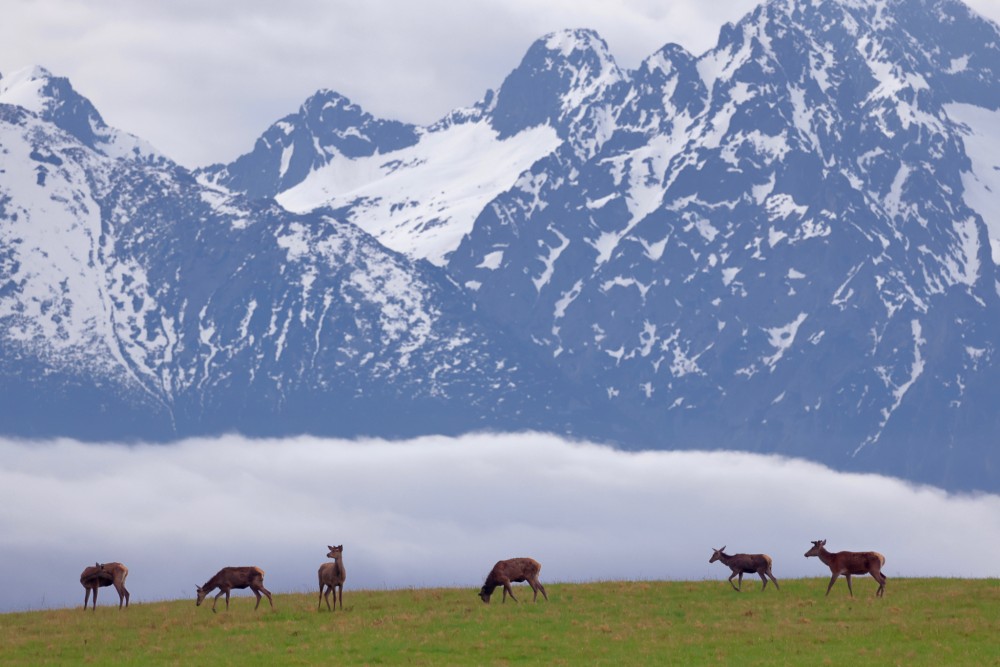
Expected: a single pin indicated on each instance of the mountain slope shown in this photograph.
(131, 290)
(786, 244)
(780, 257)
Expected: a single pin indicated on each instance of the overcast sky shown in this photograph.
(201, 80)
(439, 512)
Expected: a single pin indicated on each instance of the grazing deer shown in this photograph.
(229, 578)
(742, 564)
(851, 562)
(515, 569)
(106, 574)
(331, 577)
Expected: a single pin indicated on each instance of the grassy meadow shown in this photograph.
(919, 622)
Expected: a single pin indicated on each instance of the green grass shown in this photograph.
(919, 622)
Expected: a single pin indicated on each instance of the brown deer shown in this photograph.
(851, 562)
(331, 577)
(104, 574)
(515, 569)
(229, 578)
(742, 564)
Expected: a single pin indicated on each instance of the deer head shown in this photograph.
(201, 596)
(716, 555)
(335, 551)
(817, 547)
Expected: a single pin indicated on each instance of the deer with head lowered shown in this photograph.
(229, 578)
(104, 574)
(331, 577)
(850, 562)
(515, 569)
(742, 564)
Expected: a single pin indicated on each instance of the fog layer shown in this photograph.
(440, 511)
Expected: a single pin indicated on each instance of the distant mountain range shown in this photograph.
(788, 244)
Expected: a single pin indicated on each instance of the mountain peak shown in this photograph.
(568, 41)
(55, 100)
(558, 74)
(31, 88)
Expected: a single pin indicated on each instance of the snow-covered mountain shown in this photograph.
(136, 301)
(786, 244)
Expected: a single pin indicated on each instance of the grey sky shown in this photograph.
(201, 80)
(176, 514)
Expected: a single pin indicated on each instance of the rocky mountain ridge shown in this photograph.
(787, 244)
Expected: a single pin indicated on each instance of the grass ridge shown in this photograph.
(919, 622)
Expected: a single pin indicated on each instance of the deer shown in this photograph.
(229, 578)
(514, 569)
(850, 562)
(331, 577)
(104, 574)
(742, 564)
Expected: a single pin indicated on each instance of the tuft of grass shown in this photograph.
(919, 622)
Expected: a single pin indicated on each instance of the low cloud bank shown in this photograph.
(440, 511)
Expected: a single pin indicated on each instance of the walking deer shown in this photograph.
(104, 574)
(229, 578)
(331, 577)
(742, 564)
(851, 562)
(515, 569)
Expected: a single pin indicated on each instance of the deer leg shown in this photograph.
(507, 590)
(268, 594)
(849, 589)
(880, 578)
(341, 587)
(534, 590)
(257, 595)
(773, 580)
(760, 573)
(122, 594)
(541, 588)
(741, 581)
(86, 598)
(731, 581)
(216, 599)
(832, 580)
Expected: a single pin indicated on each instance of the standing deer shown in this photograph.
(229, 578)
(331, 577)
(851, 562)
(106, 574)
(515, 569)
(742, 564)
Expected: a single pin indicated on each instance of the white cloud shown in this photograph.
(439, 511)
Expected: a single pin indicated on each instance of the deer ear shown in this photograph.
(723, 548)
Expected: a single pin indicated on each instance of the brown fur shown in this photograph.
(104, 574)
(331, 577)
(742, 564)
(515, 569)
(229, 578)
(851, 562)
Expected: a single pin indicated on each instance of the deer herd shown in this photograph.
(332, 576)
